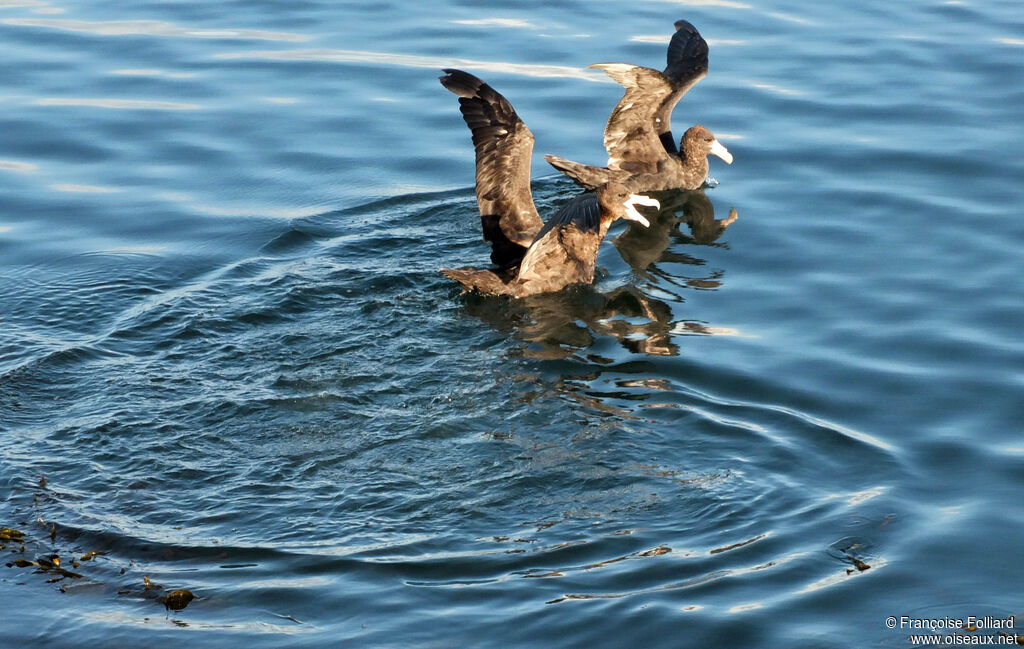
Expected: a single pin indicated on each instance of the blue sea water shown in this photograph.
(228, 363)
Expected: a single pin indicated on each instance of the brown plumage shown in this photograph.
(638, 136)
(528, 258)
(504, 149)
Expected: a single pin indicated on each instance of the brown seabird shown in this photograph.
(638, 136)
(529, 258)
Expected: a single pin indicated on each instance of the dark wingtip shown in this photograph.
(687, 53)
(446, 78)
(461, 83)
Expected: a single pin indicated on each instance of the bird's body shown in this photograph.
(638, 137)
(528, 257)
(658, 172)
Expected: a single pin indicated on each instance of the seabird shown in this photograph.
(638, 136)
(528, 257)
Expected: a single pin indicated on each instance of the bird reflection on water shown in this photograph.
(642, 249)
(569, 322)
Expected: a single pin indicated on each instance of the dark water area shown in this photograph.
(228, 363)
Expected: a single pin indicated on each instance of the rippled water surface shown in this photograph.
(228, 363)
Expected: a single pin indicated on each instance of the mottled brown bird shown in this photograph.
(528, 257)
(638, 137)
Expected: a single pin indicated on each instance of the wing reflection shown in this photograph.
(566, 323)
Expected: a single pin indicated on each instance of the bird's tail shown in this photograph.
(482, 281)
(586, 175)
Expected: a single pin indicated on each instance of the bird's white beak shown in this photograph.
(639, 199)
(721, 151)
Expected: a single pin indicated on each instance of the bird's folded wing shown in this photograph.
(549, 253)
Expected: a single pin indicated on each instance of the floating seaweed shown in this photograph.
(52, 562)
(176, 600)
(11, 534)
(860, 565)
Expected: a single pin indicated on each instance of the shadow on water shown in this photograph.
(563, 323)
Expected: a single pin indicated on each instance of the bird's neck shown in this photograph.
(694, 160)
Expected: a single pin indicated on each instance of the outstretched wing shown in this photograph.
(687, 54)
(632, 135)
(559, 245)
(687, 63)
(504, 147)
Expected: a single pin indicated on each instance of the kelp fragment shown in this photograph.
(11, 534)
(67, 573)
(176, 600)
(860, 565)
